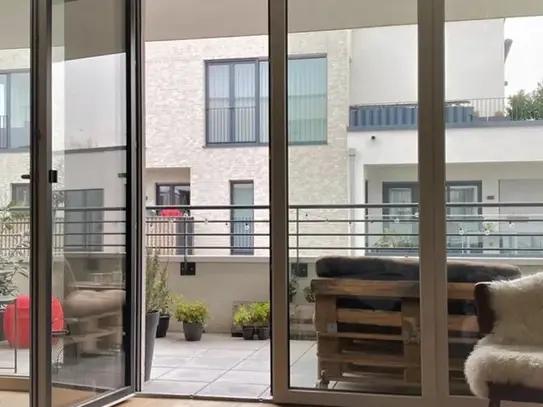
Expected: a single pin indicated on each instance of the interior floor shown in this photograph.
(20, 399)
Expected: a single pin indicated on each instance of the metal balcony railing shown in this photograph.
(459, 113)
(473, 230)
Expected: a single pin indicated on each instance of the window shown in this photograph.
(83, 228)
(241, 220)
(237, 106)
(14, 110)
(463, 223)
(20, 194)
(173, 194)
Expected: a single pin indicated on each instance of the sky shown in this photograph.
(524, 66)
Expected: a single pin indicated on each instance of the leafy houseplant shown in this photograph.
(164, 300)
(254, 319)
(309, 295)
(261, 315)
(244, 318)
(293, 286)
(193, 315)
(12, 260)
(152, 307)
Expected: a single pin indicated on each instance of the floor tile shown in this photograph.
(213, 363)
(234, 376)
(193, 375)
(226, 353)
(173, 387)
(156, 372)
(169, 361)
(225, 389)
(254, 365)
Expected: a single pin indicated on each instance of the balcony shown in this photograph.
(461, 113)
(223, 260)
(485, 230)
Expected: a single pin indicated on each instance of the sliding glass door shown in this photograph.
(86, 249)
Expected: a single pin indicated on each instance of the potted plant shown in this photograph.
(193, 315)
(152, 307)
(309, 295)
(165, 301)
(261, 317)
(244, 318)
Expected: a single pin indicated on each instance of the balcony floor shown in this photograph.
(220, 365)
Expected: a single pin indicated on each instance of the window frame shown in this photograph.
(171, 185)
(250, 251)
(15, 186)
(256, 61)
(415, 193)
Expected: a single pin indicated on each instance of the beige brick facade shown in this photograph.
(175, 109)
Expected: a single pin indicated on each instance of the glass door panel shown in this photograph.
(92, 267)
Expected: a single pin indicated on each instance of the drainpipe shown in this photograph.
(351, 198)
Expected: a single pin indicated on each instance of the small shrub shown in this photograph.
(242, 316)
(261, 313)
(309, 295)
(192, 312)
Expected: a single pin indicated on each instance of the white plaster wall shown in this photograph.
(508, 143)
(385, 60)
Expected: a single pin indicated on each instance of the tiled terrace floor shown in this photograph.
(220, 365)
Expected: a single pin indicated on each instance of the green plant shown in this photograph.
(293, 286)
(243, 316)
(13, 223)
(164, 299)
(526, 105)
(152, 273)
(261, 313)
(195, 312)
(309, 295)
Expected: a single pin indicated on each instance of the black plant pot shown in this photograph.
(163, 325)
(263, 333)
(193, 332)
(248, 333)
(151, 324)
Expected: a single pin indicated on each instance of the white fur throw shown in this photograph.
(513, 352)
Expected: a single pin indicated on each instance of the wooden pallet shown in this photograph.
(353, 343)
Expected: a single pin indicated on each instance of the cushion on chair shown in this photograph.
(513, 352)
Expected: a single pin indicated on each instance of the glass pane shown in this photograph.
(244, 103)
(354, 217)
(90, 245)
(493, 124)
(19, 105)
(219, 103)
(15, 239)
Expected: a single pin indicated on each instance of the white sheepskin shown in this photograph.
(513, 352)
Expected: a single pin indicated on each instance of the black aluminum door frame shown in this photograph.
(42, 175)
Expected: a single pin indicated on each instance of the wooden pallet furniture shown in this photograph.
(360, 345)
(94, 323)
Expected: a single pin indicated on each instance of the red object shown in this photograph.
(171, 212)
(19, 313)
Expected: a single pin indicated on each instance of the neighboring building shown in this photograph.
(352, 130)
